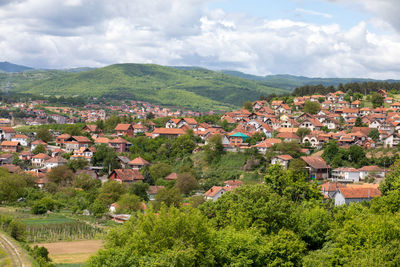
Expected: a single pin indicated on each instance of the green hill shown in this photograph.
(197, 88)
(10, 67)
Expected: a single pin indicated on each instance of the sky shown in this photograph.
(314, 38)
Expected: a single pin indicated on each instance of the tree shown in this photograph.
(183, 145)
(61, 175)
(303, 132)
(111, 191)
(169, 197)
(86, 182)
(374, 134)
(160, 170)
(312, 107)
(106, 155)
(359, 122)
(98, 208)
(214, 148)
(186, 182)
(77, 164)
(12, 186)
(377, 100)
(297, 165)
(330, 151)
(140, 189)
(128, 204)
(44, 134)
(248, 105)
(39, 149)
(17, 230)
(150, 115)
(172, 237)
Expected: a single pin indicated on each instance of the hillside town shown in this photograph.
(259, 127)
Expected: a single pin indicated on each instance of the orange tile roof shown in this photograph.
(139, 161)
(9, 143)
(122, 127)
(361, 192)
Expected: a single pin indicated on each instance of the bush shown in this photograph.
(17, 230)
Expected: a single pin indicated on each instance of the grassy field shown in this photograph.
(72, 253)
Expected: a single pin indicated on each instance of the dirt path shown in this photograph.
(14, 252)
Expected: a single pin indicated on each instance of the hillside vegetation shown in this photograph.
(196, 88)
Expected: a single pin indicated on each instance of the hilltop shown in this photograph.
(197, 88)
(290, 82)
(10, 67)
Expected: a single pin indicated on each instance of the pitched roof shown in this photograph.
(39, 142)
(41, 156)
(171, 176)
(82, 139)
(56, 159)
(233, 183)
(118, 141)
(372, 168)
(139, 161)
(102, 140)
(315, 162)
(8, 129)
(169, 131)
(285, 157)
(63, 136)
(190, 120)
(20, 136)
(123, 127)
(128, 174)
(91, 127)
(331, 187)
(213, 191)
(9, 143)
(153, 189)
(360, 192)
(288, 135)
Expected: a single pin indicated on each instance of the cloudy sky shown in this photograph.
(316, 38)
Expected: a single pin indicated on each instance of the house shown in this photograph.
(171, 177)
(371, 171)
(153, 190)
(126, 176)
(233, 184)
(6, 133)
(192, 123)
(83, 141)
(139, 128)
(91, 128)
(35, 143)
(172, 123)
(282, 160)
(55, 162)
(61, 139)
(39, 159)
(6, 159)
(347, 195)
(288, 137)
(138, 163)
(10, 146)
(119, 144)
(21, 138)
(167, 132)
(71, 146)
(237, 138)
(124, 161)
(329, 189)
(214, 193)
(124, 129)
(84, 153)
(346, 174)
(27, 155)
(311, 123)
(101, 140)
(317, 167)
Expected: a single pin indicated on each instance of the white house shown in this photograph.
(21, 138)
(214, 193)
(282, 160)
(348, 194)
(371, 170)
(349, 174)
(55, 162)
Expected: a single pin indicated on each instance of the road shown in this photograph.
(14, 252)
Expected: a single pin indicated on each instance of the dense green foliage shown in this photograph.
(199, 89)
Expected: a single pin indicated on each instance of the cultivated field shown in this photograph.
(72, 252)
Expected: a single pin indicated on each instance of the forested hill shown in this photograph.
(10, 67)
(197, 88)
(290, 82)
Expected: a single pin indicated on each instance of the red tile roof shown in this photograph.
(360, 192)
(128, 174)
(315, 162)
(171, 176)
(9, 143)
(139, 161)
(122, 127)
(168, 131)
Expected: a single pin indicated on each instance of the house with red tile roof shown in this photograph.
(39, 159)
(10, 146)
(35, 143)
(167, 132)
(124, 129)
(282, 160)
(214, 193)
(55, 162)
(171, 177)
(138, 163)
(119, 144)
(317, 167)
(126, 176)
(347, 195)
(21, 138)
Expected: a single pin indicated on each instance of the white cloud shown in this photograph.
(73, 33)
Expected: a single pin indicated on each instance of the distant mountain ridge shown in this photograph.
(290, 82)
(10, 67)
